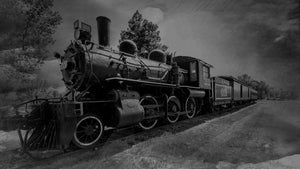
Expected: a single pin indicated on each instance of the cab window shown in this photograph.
(193, 71)
(206, 72)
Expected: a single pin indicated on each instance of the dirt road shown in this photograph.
(268, 130)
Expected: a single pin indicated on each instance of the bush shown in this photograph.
(26, 64)
(19, 79)
(6, 87)
(9, 78)
(27, 61)
(8, 57)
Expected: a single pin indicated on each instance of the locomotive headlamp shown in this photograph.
(82, 31)
(86, 27)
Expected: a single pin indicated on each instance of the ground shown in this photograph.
(264, 135)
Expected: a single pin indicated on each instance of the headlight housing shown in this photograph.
(82, 31)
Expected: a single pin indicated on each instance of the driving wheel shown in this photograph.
(150, 106)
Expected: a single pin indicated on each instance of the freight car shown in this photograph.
(222, 92)
(118, 88)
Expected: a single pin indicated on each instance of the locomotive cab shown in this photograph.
(198, 71)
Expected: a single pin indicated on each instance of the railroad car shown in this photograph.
(116, 89)
(228, 91)
(222, 92)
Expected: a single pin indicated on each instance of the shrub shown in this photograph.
(27, 61)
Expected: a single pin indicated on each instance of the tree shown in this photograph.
(246, 79)
(12, 19)
(144, 33)
(263, 89)
(40, 23)
(260, 86)
(28, 23)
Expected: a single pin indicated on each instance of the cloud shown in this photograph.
(237, 38)
(203, 36)
(152, 14)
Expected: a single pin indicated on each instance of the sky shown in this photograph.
(235, 36)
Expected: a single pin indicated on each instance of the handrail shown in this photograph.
(36, 100)
(128, 63)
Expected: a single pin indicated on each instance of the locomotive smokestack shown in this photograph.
(103, 24)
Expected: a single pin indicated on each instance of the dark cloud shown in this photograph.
(260, 37)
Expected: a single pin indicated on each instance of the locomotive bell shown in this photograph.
(103, 24)
(128, 46)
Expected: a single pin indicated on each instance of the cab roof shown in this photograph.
(189, 59)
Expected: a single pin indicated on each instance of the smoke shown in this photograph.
(152, 14)
(50, 72)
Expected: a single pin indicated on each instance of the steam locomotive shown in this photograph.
(110, 88)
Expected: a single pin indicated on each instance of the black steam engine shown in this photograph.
(109, 88)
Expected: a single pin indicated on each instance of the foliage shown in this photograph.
(16, 87)
(12, 79)
(144, 33)
(28, 23)
(24, 61)
(40, 23)
(12, 18)
(6, 86)
(26, 29)
(245, 78)
(262, 87)
(26, 91)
